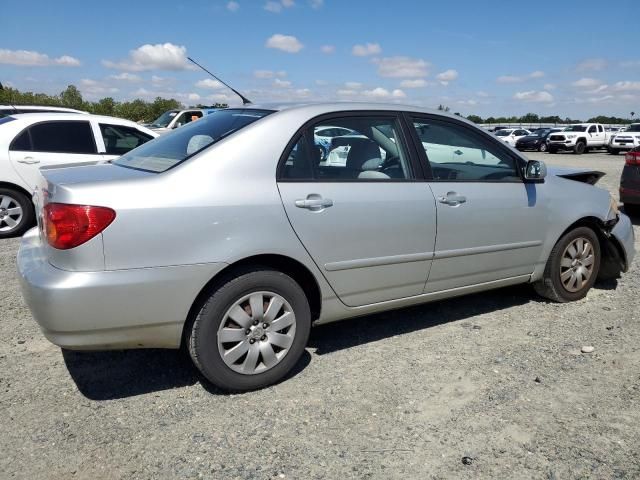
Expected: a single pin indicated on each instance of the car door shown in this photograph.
(490, 224)
(592, 135)
(51, 143)
(369, 224)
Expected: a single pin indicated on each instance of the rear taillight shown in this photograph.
(632, 158)
(68, 226)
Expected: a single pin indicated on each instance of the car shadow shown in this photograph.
(118, 374)
(634, 215)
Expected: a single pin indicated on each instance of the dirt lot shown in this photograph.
(492, 385)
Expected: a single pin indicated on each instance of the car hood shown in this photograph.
(530, 138)
(578, 174)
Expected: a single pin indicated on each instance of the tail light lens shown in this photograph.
(632, 159)
(68, 226)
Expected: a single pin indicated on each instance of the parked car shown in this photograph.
(323, 137)
(172, 119)
(630, 181)
(31, 141)
(17, 109)
(222, 235)
(579, 138)
(625, 141)
(511, 135)
(536, 140)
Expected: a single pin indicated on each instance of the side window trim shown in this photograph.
(484, 138)
(417, 169)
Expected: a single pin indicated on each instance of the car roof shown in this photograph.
(41, 107)
(45, 116)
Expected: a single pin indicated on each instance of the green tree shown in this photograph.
(474, 118)
(71, 97)
(104, 106)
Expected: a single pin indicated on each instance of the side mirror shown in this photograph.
(535, 171)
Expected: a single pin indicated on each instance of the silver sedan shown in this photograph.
(231, 236)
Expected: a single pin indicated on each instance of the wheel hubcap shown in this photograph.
(256, 333)
(10, 213)
(576, 266)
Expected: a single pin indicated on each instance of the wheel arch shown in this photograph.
(18, 188)
(294, 268)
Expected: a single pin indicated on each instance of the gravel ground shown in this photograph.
(492, 385)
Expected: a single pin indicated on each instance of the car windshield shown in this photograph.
(576, 128)
(165, 119)
(541, 132)
(503, 133)
(633, 128)
(169, 150)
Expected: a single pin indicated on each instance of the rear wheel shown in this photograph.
(16, 213)
(542, 147)
(613, 151)
(579, 148)
(251, 331)
(572, 267)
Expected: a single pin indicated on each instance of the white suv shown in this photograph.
(511, 135)
(34, 140)
(623, 141)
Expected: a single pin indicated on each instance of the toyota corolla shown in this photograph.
(231, 236)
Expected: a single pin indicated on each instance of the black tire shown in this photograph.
(632, 209)
(550, 285)
(27, 219)
(202, 336)
(542, 147)
(613, 151)
(553, 150)
(580, 148)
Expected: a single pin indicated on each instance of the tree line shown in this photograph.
(142, 110)
(136, 110)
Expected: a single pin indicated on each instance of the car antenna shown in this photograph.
(10, 103)
(245, 100)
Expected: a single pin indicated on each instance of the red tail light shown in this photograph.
(68, 226)
(632, 158)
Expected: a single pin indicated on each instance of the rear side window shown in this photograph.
(170, 150)
(118, 139)
(22, 142)
(63, 137)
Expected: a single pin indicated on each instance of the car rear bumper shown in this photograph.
(136, 308)
(623, 233)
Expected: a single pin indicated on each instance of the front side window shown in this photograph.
(170, 150)
(366, 148)
(119, 139)
(63, 137)
(455, 153)
(592, 129)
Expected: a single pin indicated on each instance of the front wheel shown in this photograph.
(251, 331)
(553, 150)
(613, 151)
(542, 147)
(572, 267)
(579, 148)
(16, 213)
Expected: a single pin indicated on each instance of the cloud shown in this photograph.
(630, 64)
(327, 49)
(470, 102)
(347, 92)
(520, 78)
(194, 97)
(30, 58)
(209, 83)
(126, 77)
(269, 74)
(549, 86)
(276, 7)
(534, 97)
(286, 43)
(353, 85)
(592, 64)
(402, 67)
(233, 6)
(447, 76)
(586, 82)
(161, 56)
(281, 83)
(627, 86)
(366, 50)
(482, 94)
(382, 93)
(417, 83)
(316, 4)
(95, 88)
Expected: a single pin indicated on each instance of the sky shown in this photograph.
(571, 58)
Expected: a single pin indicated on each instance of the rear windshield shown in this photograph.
(173, 148)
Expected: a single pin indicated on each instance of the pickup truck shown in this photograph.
(623, 141)
(579, 138)
(176, 118)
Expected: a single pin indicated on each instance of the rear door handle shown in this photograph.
(314, 203)
(453, 199)
(28, 160)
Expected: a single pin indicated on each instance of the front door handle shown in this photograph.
(314, 203)
(453, 199)
(28, 160)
